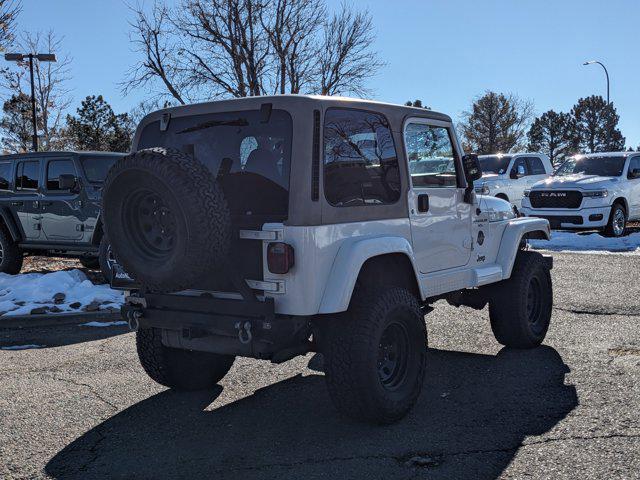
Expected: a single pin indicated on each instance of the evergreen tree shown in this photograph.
(97, 127)
(597, 125)
(553, 134)
(496, 123)
(416, 103)
(16, 124)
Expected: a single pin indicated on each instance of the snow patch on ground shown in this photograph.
(56, 292)
(589, 243)
(103, 324)
(21, 347)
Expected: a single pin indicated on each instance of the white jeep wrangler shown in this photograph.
(508, 176)
(270, 227)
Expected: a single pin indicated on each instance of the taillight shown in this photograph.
(279, 257)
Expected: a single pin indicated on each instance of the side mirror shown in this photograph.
(66, 181)
(471, 167)
(634, 173)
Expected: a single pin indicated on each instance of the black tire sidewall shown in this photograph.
(12, 256)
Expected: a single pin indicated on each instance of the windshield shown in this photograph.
(494, 163)
(96, 167)
(601, 166)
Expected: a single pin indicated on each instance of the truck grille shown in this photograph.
(555, 199)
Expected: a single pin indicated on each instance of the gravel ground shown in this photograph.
(83, 408)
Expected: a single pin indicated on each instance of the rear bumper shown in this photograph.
(571, 219)
(226, 326)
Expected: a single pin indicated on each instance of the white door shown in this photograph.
(440, 220)
(634, 189)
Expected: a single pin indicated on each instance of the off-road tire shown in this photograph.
(90, 263)
(11, 256)
(166, 253)
(103, 258)
(179, 369)
(520, 307)
(353, 349)
(609, 230)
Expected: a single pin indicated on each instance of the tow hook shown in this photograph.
(244, 332)
(133, 319)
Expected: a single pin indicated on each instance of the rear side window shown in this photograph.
(27, 175)
(360, 160)
(5, 175)
(55, 168)
(535, 166)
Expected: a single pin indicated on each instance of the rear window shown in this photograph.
(96, 167)
(27, 175)
(5, 175)
(494, 163)
(250, 156)
(55, 168)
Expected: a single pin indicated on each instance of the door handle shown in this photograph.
(44, 204)
(17, 204)
(423, 203)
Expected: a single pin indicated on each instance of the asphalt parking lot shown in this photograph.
(81, 406)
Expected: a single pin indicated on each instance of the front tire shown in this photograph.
(375, 357)
(617, 221)
(179, 369)
(520, 307)
(11, 257)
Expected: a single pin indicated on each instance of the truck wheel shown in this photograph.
(617, 222)
(179, 369)
(166, 218)
(376, 355)
(11, 256)
(104, 255)
(520, 307)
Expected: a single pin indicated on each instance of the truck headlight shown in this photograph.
(498, 216)
(596, 193)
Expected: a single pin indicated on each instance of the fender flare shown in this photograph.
(351, 256)
(10, 223)
(513, 235)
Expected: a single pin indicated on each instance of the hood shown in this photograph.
(578, 180)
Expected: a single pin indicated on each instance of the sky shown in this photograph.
(444, 52)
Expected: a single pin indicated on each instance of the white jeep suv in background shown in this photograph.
(507, 176)
(596, 191)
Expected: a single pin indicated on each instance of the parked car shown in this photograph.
(599, 191)
(269, 227)
(50, 206)
(508, 176)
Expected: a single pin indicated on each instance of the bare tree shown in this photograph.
(206, 49)
(345, 58)
(9, 10)
(50, 79)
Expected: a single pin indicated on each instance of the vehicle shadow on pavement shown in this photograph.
(57, 336)
(473, 415)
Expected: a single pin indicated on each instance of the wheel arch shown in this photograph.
(622, 201)
(360, 260)
(502, 196)
(9, 222)
(516, 231)
(98, 233)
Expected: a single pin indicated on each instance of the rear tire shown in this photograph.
(520, 307)
(179, 369)
(166, 218)
(375, 356)
(11, 256)
(617, 221)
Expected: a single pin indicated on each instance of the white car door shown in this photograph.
(521, 183)
(633, 177)
(440, 220)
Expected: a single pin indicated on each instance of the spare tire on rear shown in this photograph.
(166, 217)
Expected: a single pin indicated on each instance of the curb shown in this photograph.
(56, 319)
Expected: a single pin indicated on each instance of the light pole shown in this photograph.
(41, 57)
(591, 62)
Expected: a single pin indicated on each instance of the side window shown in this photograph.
(431, 156)
(360, 160)
(535, 166)
(520, 165)
(634, 164)
(55, 168)
(27, 175)
(5, 175)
